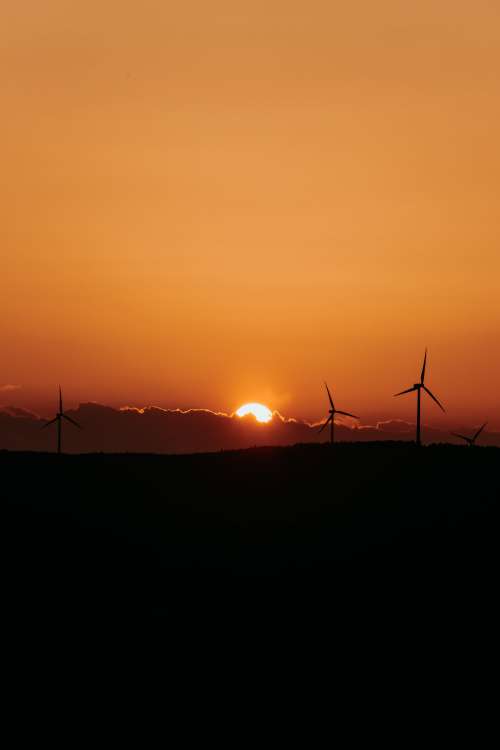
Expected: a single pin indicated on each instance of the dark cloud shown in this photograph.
(156, 430)
(395, 425)
(17, 411)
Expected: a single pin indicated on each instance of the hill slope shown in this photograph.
(130, 533)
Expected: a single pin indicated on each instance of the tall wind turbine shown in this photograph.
(418, 387)
(331, 418)
(471, 440)
(59, 418)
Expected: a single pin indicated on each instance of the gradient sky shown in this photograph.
(207, 203)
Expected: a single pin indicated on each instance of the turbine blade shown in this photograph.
(422, 376)
(47, 424)
(329, 396)
(65, 416)
(325, 425)
(479, 431)
(60, 401)
(408, 390)
(346, 413)
(434, 398)
(456, 434)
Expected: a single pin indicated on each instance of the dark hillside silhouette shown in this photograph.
(159, 534)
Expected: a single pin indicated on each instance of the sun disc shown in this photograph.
(259, 411)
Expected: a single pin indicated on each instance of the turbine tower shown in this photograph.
(59, 418)
(330, 421)
(471, 440)
(418, 387)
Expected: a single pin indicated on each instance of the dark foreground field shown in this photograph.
(368, 528)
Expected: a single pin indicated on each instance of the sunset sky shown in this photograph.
(209, 203)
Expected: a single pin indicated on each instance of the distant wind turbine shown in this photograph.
(331, 418)
(471, 440)
(419, 387)
(58, 418)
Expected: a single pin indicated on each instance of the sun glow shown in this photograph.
(260, 412)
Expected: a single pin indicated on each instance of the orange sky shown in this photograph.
(207, 203)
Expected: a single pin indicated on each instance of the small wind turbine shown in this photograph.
(471, 440)
(330, 421)
(419, 387)
(58, 418)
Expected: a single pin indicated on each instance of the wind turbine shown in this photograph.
(471, 440)
(418, 387)
(59, 418)
(331, 416)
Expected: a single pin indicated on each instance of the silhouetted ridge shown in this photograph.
(146, 533)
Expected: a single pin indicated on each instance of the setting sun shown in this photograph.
(259, 411)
